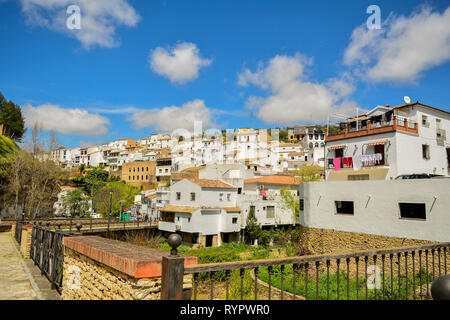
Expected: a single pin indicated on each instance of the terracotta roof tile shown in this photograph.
(275, 180)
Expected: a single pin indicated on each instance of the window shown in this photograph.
(178, 195)
(239, 190)
(129, 177)
(426, 151)
(137, 177)
(229, 197)
(412, 210)
(339, 153)
(344, 207)
(192, 196)
(189, 220)
(167, 170)
(355, 177)
(137, 169)
(234, 220)
(168, 216)
(221, 197)
(270, 212)
(302, 205)
(425, 122)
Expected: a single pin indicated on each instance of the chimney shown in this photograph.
(386, 105)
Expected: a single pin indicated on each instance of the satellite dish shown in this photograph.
(407, 99)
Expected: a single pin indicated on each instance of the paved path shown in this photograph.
(19, 278)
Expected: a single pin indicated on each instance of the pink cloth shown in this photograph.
(337, 163)
(263, 193)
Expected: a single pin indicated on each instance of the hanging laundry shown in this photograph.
(337, 163)
(357, 163)
(347, 162)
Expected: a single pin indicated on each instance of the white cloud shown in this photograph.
(179, 64)
(170, 118)
(99, 18)
(293, 99)
(65, 121)
(403, 48)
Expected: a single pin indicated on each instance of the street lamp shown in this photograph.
(110, 207)
(120, 210)
(25, 186)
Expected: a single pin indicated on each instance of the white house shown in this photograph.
(262, 196)
(390, 141)
(203, 211)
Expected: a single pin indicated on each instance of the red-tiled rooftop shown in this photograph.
(275, 180)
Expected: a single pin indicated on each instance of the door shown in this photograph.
(209, 241)
(380, 149)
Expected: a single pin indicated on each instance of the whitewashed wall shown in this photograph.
(376, 207)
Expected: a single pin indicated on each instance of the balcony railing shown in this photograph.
(400, 123)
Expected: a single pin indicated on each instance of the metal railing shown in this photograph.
(47, 252)
(393, 274)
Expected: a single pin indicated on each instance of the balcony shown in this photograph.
(396, 124)
(368, 161)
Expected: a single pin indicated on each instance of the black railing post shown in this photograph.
(172, 271)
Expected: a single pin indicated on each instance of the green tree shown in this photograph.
(95, 179)
(253, 228)
(289, 201)
(76, 203)
(11, 117)
(283, 134)
(117, 190)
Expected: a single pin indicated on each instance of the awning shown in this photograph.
(377, 142)
(341, 146)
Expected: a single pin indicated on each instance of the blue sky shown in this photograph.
(288, 62)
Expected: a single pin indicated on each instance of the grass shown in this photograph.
(7, 146)
(391, 292)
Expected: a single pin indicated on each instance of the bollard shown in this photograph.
(172, 271)
(440, 288)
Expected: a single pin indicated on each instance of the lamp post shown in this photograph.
(120, 210)
(110, 208)
(25, 186)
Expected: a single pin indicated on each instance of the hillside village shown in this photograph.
(206, 186)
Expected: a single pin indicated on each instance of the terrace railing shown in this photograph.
(403, 273)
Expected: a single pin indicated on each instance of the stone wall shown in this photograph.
(103, 269)
(25, 243)
(328, 241)
(100, 282)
